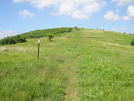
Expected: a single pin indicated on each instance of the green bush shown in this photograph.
(132, 43)
(50, 36)
(70, 30)
(12, 40)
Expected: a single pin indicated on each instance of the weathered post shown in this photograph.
(38, 49)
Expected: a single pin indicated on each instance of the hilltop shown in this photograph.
(45, 32)
(78, 65)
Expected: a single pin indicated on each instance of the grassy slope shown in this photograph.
(85, 65)
(45, 32)
(106, 67)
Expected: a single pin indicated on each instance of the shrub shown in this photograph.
(50, 36)
(70, 30)
(75, 27)
(12, 40)
(132, 43)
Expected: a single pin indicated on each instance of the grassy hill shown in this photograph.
(81, 65)
(45, 32)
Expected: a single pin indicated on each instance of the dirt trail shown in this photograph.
(71, 88)
(72, 94)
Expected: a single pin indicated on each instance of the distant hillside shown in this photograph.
(100, 35)
(45, 32)
(33, 34)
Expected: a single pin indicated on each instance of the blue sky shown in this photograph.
(19, 16)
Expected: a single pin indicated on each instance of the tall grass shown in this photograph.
(105, 70)
(100, 62)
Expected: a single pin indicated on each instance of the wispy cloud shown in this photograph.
(6, 33)
(123, 29)
(74, 8)
(119, 29)
(111, 15)
(123, 2)
(115, 29)
(26, 14)
(130, 11)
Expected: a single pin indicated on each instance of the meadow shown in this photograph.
(82, 65)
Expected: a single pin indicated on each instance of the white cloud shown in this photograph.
(115, 29)
(6, 33)
(111, 15)
(130, 11)
(74, 8)
(39, 3)
(123, 2)
(123, 29)
(66, 9)
(87, 11)
(25, 14)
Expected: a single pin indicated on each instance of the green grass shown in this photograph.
(45, 32)
(84, 65)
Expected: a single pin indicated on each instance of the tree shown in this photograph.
(23, 39)
(13, 40)
(75, 27)
(50, 36)
(70, 30)
(132, 42)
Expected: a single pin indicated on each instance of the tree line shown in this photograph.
(13, 40)
(132, 42)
